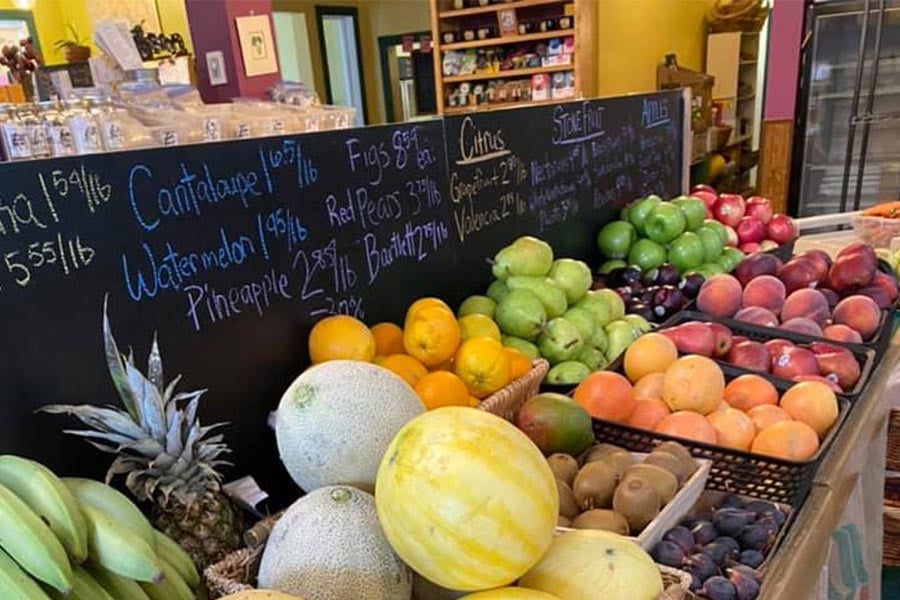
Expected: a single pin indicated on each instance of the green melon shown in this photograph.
(329, 546)
(336, 420)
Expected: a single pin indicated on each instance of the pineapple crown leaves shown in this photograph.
(159, 442)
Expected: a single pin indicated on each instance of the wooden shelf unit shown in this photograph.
(445, 16)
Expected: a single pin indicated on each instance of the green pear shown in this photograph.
(639, 324)
(592, 357)
(609, 265)
(550, 294)
(583, 320)
(573, 276)
(525, 347)
(616, 305)
(620, 336)
(597, 305)
(477, 305)
(525, 256)
(569, 372)
(560, 341)
(497, 290)
(599, 339)
(520, 313)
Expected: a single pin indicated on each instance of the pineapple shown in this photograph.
(167, 457)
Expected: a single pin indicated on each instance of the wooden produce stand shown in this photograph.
(500, 34)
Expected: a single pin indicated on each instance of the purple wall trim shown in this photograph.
(783, 68)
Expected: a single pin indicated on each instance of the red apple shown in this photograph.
(750, 231)
(709, 197)
(732, 236)
(781, 229)
(729, 209)
(795, 361)
(702, 187)
(767, 245)
(750, 355)
(759, 208)
(750, 248)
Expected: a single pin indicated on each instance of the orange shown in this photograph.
(474, 402)
(650, 353)
(734, 429)
(445, 366)
(431, 335)
(813, 403)
(519, 365)
(483, 365)
(388, 339)
(688, 425)
(765, 415)
(426, 303)
(647, 413)
(341, 337)
(747, 391)
(606, 395)
(405, 366)
(477, 325)
(790, 440)
(649, 386)
(694, 383)
(442, 389)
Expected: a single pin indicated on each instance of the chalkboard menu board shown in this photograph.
(232, 251)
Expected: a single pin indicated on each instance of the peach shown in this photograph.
(842, 333)
(766, 291)
(878, 294)
(808, 303)
(720, 296)
(757, 315)
(852, 269)
(799, 273)
(887, 282)
(858, 312)
(802, 325)
(812, 403)
(750, 355)
(795, 361)
(830, 295)
(821, 260)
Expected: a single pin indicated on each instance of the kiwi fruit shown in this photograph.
(607, 520)
(618, 461)
(564, 467)
(679, 452)
(638, 501)
(562, 521)
(567, 506)
(664, 482)
(669, 463)
(594, 486)
(598, 451)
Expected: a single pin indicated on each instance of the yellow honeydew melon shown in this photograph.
(510, 593)
(260, 595)
(329, 546)
(336, 419)
(590, 564)
(466, 499)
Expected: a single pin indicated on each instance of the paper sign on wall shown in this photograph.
(257, 45)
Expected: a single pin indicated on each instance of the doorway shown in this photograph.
(294, 55)
(342, 58)
(407, 75)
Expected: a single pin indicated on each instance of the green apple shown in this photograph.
(712, 243)
(718, 228)
(694, 211)
(616, 238)
(686, 252)
(665, 223)
(730, 259)
(647, 254)
(640, 210)
(613, 263)
(710, 269)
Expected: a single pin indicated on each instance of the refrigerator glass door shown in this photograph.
(833, 59)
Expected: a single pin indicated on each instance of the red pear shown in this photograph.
(775, 346)
(795, 361)
(724, 339)
(841, 365)
(830, 382)
(692, 337)
(750, 355)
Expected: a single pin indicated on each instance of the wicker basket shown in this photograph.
(507, 402)
(892, 462)
(891, 546)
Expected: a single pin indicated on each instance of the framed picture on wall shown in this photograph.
(257, 45)
(215, 65)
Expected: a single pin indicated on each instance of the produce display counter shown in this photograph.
(855, 463)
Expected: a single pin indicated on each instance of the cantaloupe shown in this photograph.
(261, 595)
(336, 420)
(329, 546)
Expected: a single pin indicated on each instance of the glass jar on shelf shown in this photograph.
(59, 135)
(32, 119)
(84, 126)
(16, 144)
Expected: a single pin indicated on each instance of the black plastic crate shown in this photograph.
(864, 356)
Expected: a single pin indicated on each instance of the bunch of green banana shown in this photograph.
(891, 258)
(50, 526)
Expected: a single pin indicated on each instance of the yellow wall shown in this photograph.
(633, 37)
(173, 17)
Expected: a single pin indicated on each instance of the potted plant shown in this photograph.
(74, 48)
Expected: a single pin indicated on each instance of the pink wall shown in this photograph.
(213, 28)
(783, 68)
